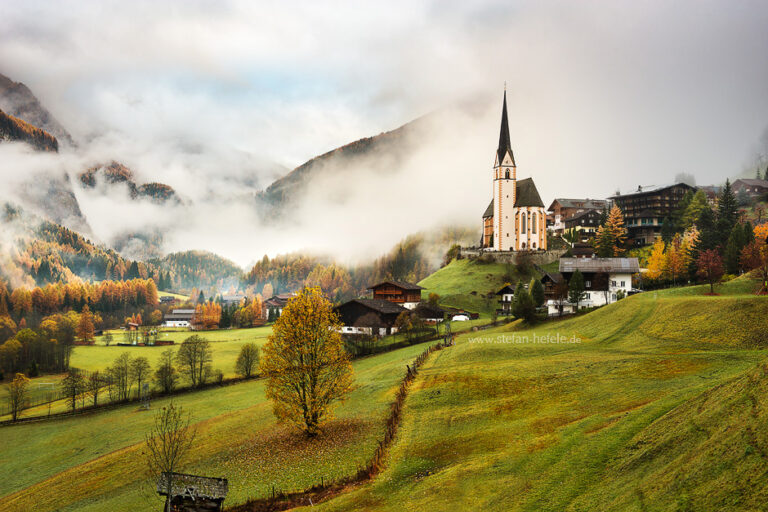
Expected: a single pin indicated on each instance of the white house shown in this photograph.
(179, 318)
(604, 280)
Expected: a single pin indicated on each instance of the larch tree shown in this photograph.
(85, 327)
(304, 360)
(656, 261)
(17, 395)
(612, 236)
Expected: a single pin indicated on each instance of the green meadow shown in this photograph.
(660, 405)
(94, 462)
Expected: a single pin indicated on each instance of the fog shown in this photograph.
(218, 99)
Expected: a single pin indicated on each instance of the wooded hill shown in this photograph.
(15, 129)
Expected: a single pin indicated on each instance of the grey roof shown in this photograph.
(595, 204)
(489, 210)
(526, 194)
(752, 182)
(626, 265)
(555, 277)
(193, 486)
(585, 213)
(179, 316)
(652, 188)
(400, 284)
(380, 305)
(183, 311)
(504, 144)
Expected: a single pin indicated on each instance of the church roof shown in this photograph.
(504, 144)
(526, 194)
(489, 210)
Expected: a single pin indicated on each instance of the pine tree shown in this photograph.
(133, 271)
(708, 235)
(727, 209)
(537, 292)
(667, 230)
(576, 288)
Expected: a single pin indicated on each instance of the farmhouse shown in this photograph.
(605, 280)
(645, 210)
(407, 295)
(369, 316)
(179, 318)
(752, 187)
(190, 493)
(273, 306)
(430, 313)
(563, 209)
(515, 218)
(506, 299)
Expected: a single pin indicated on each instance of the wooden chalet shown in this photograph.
(407, 295)
(645, 209)
(506, 300)
(550, 280)
(430, 313)
(369, 316)
(563, 209)
(190, 493)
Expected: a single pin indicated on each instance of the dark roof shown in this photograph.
(579, 215)
(652, 189)
(752, 182)
(504, 144)
(400, 284)
(193, 486)
(507, 289)
(427, 310)
(646, 214)
(627, 265)
(555, 277)
(276, 302)
(379, 305)
(595, 204)
(526, 194)
(489, 210)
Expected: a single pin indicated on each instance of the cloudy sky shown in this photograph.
(602, 95)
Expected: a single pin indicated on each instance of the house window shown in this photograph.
(622, 284)
(614, 297)
(587, 284)
(586, 296)
(613, 283)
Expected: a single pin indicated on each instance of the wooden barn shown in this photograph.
(407, 295)
(190, 493)
(369, 316)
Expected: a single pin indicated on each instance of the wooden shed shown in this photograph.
(190, 493)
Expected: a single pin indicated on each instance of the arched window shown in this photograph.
(506, 174)
(523, 226)
(533, 224)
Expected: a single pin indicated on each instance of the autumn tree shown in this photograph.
(612, 236)
(247, 360)
(194, 359)
(207, 315)
(267, 292)
(656, 261)
(93, 385)
(710, 268)
(304, 360)
(85, 327)
(17, 395)
(140, 371)
(754, 258)
(168, 444)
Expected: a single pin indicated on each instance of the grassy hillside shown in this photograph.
(659, 406)
(94, 462)
(463, 283)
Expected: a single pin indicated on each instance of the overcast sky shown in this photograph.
(602, 95)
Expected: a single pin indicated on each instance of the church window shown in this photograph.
(506, 174)
(533, 224)
(523, 227)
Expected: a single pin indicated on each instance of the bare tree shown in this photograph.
(168, 444)
(194, 359)
(93, 386)
(166, 375)
(73, 385)
(17, 395)
(247, 360)
(121, 376)
(140, 370)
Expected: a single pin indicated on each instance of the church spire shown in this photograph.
(504, 144)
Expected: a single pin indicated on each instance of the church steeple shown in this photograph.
(504, 144)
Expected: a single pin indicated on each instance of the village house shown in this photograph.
(754, 188)
(506, 299)
(605, 281)
(582, 250)
(515, 218)
(374, 317)
(645, 210)
(232, 300)
(407, 295)
(273, 306)
(429, 313)
(179, 318)
(584, 223)
(190, 493)
(563, 209)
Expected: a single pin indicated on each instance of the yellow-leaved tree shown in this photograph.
(657, 260)
(305, 363)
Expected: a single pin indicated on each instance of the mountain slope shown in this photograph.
(363, 155)
(17, 100)
(14, 129)
(115, 173)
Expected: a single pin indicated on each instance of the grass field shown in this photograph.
(660, 406)
(462, 284)
(94, 462)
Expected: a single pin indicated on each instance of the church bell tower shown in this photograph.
(504, 188)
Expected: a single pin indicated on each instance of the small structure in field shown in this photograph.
(190, 493)
(179, 318)
(506, 300)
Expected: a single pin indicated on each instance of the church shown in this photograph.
(515, 220)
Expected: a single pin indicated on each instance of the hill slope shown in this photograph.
(633, 414)
(15, 129)
(19, 101)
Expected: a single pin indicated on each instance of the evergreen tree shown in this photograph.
(694, 209)
(523, 306)
(749, 233)
(603, 216)
(667, 230)
(732, 254)
(537, 292)
(201, 298)
(679, 212)
(708, 234)
(133, 271)
(727, 209)
(576, 288)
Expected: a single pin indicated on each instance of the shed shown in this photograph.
(191, 493)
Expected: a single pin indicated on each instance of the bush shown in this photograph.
(32, 371)
(219, 376)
